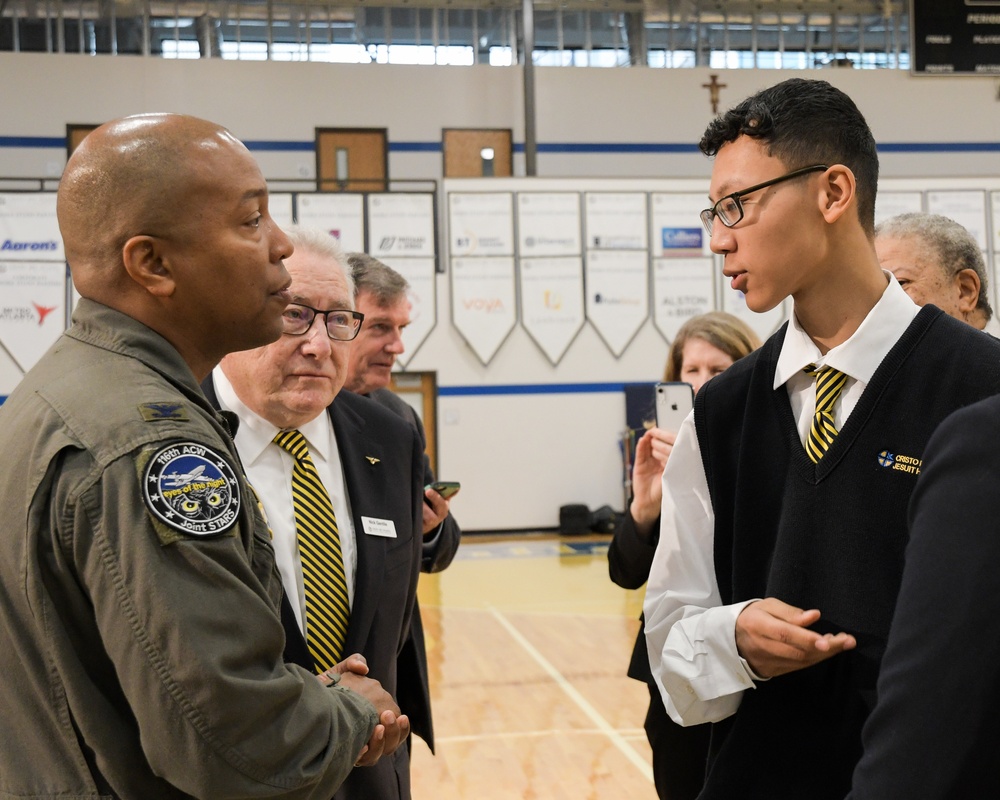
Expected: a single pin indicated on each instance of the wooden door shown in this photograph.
(352, 159)
(75, 134)
(477, 152)
(419, 389)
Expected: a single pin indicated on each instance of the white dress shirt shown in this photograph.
(269, 468)
(690, 635)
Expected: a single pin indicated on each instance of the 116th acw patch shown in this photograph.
(192, 489)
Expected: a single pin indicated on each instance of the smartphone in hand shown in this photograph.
(674, 402)
(445, 488)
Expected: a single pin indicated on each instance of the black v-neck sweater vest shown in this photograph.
(830, 536)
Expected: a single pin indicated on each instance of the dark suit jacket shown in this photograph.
(385, 585)
(935, 731)
(414, 688)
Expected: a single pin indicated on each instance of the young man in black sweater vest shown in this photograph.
(783, 524)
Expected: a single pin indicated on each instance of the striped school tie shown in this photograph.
(327, 606)
(829, 385)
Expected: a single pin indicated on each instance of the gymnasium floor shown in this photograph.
(528, 642)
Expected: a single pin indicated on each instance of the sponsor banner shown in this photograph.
(676, 229)
(29, 230)
(615, 220)
(995, 206)
(548, 224)
(420, 274)
(763, 324)
(682, 288)
(482, 302)
(32, 308)
(481, 224)
(552, 302)
(279, 205)
(617, 295)
(401, 224)
(889, 204)
(341, 214)
(968, 208)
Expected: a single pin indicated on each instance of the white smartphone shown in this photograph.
(674, 402)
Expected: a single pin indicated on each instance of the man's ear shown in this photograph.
(838, 192)
(967, 282)
(146, 264)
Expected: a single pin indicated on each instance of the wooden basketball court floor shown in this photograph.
(528, 642)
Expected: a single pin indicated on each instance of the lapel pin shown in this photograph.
(373, 460)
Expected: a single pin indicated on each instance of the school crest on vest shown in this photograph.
(192, 489)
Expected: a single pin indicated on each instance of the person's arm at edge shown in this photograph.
(690, 635)
(934, 728)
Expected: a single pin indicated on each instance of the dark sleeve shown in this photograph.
(935, 732)
(631, 555)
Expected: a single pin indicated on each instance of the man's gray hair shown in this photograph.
(322, 244)
(380, 280)
(956, 248)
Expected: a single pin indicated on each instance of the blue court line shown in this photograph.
(519, 389)
(279, 146)
(530, 388)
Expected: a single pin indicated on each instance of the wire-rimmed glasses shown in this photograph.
(729, 209)
(341, 324)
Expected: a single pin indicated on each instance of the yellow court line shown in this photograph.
(601, 723)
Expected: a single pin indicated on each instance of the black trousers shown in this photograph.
(680, 754)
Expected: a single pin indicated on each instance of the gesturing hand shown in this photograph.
(774, 638)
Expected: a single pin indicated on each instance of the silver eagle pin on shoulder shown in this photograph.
(372, 460)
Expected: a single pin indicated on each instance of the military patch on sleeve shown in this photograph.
(151, 412)
(191, 489)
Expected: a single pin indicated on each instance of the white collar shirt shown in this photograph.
(269, 469)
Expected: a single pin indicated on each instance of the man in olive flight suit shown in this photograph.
(141, 650)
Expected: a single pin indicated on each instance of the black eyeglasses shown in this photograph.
(341, 324)
(729, 209)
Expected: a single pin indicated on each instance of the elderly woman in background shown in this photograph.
(704, 346)
(936, 261)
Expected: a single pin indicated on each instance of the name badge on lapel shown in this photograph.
(379, 527)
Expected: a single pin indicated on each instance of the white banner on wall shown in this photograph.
(29, 230)
(617, 295)
(676, 229)
(401, 224)
(482, 302)
(995, 202)
(552, 302)
(481, 224)
(548, 224)
(967, 208)
(341, 214)
(616, 220)
(763, 324)
(32, 308)
(682, 288)
(279, 205)
(890, 204)
(419, 273)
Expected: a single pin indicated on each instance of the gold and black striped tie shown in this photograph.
(829, 385)
(327, 606)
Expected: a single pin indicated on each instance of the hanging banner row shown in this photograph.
(556, 260)
(36, 297)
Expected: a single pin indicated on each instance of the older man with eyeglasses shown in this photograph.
(340, 480)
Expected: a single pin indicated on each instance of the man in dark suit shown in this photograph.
(348, 548)
(380, 293)
(935, 731)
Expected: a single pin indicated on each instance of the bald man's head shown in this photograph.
(130, 177)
